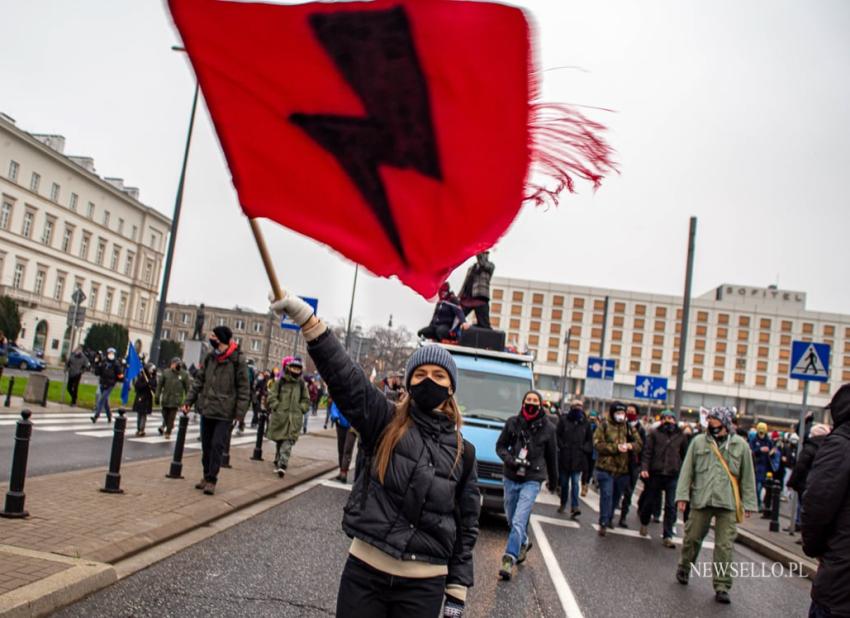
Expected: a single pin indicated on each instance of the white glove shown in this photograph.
(291, 305)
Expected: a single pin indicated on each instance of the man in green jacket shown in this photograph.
(170, 392)
(615, 441)
(222, 393)
(705, 483)
(289, 401)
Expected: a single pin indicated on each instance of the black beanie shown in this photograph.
(223, 334)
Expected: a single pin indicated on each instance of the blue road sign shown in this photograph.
(651, 387)
(810, 361)
(289, 324)
(600, 368)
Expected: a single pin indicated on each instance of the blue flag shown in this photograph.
(134, 368)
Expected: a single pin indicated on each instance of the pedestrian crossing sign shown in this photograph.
(810, 361)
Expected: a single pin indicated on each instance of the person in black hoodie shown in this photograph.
(413, 511)
(817, 434)
(661, 460)
(575, 444)
(826, 514)
(528, 447)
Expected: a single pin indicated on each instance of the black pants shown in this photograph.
(588, 471)
(650, 501)
(437, 333)
(73, 387)
(365, 592)
(634, 474)
(482, 314)
(214, 433)
(168, 416)
(345, 441)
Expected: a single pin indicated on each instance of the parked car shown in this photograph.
(21, 359)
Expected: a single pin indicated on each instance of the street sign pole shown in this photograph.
(566, 362)
(802, 432)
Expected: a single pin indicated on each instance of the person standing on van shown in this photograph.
(529, 450)
(413, 511)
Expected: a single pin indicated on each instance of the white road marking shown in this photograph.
(624, 532)
(233, 442)
(707, 544)
(565, 594)
(566, 523)
(103, 433)
(335, 485)
(64, 427)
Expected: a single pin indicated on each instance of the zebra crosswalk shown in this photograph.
(79, 423)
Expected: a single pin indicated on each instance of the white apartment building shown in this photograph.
(63, 227)
(739, 341)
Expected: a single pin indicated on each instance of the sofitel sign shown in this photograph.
(770, 293)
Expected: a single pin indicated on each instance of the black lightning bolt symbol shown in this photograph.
(374, 52)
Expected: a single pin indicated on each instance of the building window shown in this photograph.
(764, 352)
(634, 366)
(619, 320)
(828, 330)
(808, 328)
(514, 324)
(517, 297)
(616, 335)
(761, 366)
(616, 349)
(18, 277)
(143, 310)
(148, 271)
(764, 323)
(637, 337)
(90, 212)
(35, 181)
(54, 193)
(557, 314)
(59, 288)
(702, 329)
(720, 347)
(167, 317)
(598, 305)
(106, 218)
(181, 336)
(659, 326)
(47, 232)
(655, 368)
(26, 228)
(781, 382)
(516, 309)
(719, 361)
(787, 326)
(743, 335)
(255, 345)
(619, 307)
(84, 245)
(722, 332)
(67, 237)
(239, 324)
(696, 373)
(122, 305)
(761, 380)
(13, 170)
(578, 316)
(107, 300)
(639, 323)
(636, 351)
(185, 318)
(764, 337)
(702, 316)
(93, 290)
(134, 233)
(661, 312)
(699, 344)
(578, 303)
(258, 327)
(537, 299)
(640, 309)
(166, 334)
(5, 215)
(555, 329)
(121, 226)
(222, 322)
(598, 318)
(551, 357)
(557, 300)
(658, 340)
(534, 326)
(718, 376)
(723, 318)
(40, 276)
(657, 354)
(128, 264)
(537, 312)
(699, 359)
(100, 253)
(72, 202)
(116, 255)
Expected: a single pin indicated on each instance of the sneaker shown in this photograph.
(280, 472)
(142, 434)
(342, 478)
(609, 525)
(575, 513)
(138, 433)
(584, 490)
(167, 435)
(108, 419)
(160, 430)
(201, 484)
(622, 524)
(209, 489)
(523, 552)
(721, 596)
(682, 575)
(656, 520)
(668, 543)
(506, 568)
(93, 419)
(562, 508)
(602, 530)
(239, 432)
(644, 531)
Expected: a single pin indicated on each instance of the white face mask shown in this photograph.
(110, 356)
(619, 417)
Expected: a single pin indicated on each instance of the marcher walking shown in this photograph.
(661, 461)
(289, 405)
(346, 438)
(575, 444)
(110, 371)
(800, 474)
(413, 511)
(765, 456)
(222, 392)
(634, 464)
(145, 386)
(826, 514)
(170, 394)
(615, 441)
(718, 482)
(76, 365)
(528, 448)
(4, 352)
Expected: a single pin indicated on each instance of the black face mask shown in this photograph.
(715, 431)
(428, 395)
(214, 344)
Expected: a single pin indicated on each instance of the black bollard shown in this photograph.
(15, 496)
(775, 504)
(9, 394)
(113, 477)
(176, 470)
(44, 395)
(225, 458)
(258, 447)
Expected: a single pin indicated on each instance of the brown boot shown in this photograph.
(209, 489)
(202, 484)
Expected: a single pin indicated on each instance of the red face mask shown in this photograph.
(530, 411)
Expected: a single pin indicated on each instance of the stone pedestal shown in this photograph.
(194, 352)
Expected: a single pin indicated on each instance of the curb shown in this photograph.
(82, 578)
(776, 553)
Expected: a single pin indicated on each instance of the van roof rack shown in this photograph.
(467, 351)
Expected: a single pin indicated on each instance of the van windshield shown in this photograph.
(488, 395)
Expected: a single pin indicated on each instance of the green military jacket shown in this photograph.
(172, 388)
(288, 401)
(605, 440)
(221, 389)
(703, 481)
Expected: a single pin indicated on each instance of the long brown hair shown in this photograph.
(401, 422)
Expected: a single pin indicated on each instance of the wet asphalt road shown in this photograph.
(287, 562)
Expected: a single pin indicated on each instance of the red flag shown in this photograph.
(394, 131)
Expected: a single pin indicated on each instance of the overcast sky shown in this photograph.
(736, 111)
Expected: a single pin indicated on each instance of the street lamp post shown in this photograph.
(175, 221)
(351, 310)
(565, 370)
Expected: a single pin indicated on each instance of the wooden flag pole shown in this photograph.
(267, 259)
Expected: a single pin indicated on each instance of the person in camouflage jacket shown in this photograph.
(615, 441)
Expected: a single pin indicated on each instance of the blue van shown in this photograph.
(490, 389)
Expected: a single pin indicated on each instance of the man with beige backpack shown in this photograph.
(718, 481)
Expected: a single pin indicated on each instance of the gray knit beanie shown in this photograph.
(431, 355)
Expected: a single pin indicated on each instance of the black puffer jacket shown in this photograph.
(664, 451)
(575, 443)
(797, 480)
(427, 509)
(826, 518)
(539, 438)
